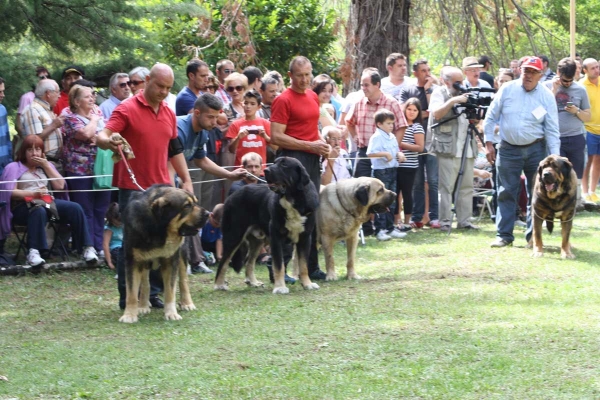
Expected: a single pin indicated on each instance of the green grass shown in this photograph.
(435, 317)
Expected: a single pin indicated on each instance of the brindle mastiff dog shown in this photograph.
(344, 207)
(554, 196)
(155, 223)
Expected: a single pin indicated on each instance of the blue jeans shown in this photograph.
(385, 221)
(511, 161)
(429, 162)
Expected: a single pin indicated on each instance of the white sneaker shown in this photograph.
(396, 234)
(382, 236)
(520, 224)
(34, 259)
(101, 254)
(89, 254)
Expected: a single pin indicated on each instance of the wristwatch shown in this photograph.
(429, 91)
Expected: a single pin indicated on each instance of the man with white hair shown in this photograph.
(39, 119)
(119, 91)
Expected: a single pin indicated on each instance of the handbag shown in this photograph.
(47, 202)
(103, 165)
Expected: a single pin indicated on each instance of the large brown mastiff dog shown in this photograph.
(344, 207)
(554, 196)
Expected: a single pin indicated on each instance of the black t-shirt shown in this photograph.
(487, 77)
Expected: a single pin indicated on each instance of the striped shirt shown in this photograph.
(35, 118)
(412, 158)
(361, 116)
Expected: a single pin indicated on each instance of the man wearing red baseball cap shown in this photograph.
(528, 118)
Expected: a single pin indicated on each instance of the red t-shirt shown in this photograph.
(148, 134)
(63, 101)
(251, 142)
(299, 112)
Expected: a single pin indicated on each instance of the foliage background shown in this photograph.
(107, 36)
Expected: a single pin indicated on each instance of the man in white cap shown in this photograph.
(471, 68)
(528, 118)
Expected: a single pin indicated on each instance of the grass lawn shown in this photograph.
(435, 317)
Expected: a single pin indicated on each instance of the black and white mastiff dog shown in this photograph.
(155, 223)
(282, 212)
(554, 196)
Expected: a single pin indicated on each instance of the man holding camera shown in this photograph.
(449, 140)
(527, 115)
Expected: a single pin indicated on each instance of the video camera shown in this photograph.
(476, 105)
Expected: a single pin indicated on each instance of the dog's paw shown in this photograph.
(281, 290)
(354, 277)
(128, 318)
(567, 256)
(187, 307)
(254, 284)
(311, 286)
(143, 310)
(221, 287)
(537, 254)
(172, 316)
(331, 277)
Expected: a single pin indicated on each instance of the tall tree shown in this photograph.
(376, 29)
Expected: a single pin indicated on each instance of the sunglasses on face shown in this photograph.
(212, 87)
(134, 83)
(236, 88)
(229, 71)
(123, 85)
(42, 77)
(566, 80)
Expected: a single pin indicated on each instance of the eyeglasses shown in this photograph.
(229, 71)
(236, 88)
(94, 93)
(134, 83)
(212, 87)
(123, 85)
(566, 80)
(42, 77)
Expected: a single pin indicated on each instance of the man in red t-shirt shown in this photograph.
(150, 128)
(69, 75)
(294, 128)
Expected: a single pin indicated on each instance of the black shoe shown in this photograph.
(317, 275)
(156, 302)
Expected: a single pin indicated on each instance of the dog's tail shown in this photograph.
(549, 225)
(239, 258)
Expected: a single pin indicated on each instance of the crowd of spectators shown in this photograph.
(218, 133)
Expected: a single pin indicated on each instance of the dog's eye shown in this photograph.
(187, 206)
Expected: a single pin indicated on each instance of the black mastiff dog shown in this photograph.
(280, 213)
(554, 196)
(155, 223)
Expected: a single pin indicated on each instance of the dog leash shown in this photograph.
(256, 177)
(552, 220)
(131, 174)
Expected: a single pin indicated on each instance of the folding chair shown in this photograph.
(20, 232)
(485, 194)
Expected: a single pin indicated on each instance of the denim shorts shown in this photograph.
(593, 144)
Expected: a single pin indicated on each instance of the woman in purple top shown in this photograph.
(81, 126)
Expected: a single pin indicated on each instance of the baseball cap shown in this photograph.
(471, 62)
(533, 62)
(73, 68)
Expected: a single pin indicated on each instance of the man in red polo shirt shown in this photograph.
(294, 128)
(150, 128)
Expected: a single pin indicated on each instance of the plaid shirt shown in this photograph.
(361, 117)
(35, 118)
(222, 94)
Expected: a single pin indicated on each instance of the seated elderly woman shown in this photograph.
(31, 176)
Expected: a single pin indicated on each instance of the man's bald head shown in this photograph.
(158, 84)
(163, 70)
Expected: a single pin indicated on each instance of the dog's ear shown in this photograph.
(304, 178)
(566, 167)
(158, 206)
(362, 194)
(541, 168)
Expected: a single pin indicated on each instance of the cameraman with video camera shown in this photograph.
(449, 140)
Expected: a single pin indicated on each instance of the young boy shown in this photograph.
(384, 151)
(250, 134)
(211, 236)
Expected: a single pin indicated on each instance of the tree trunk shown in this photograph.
(376, 29)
